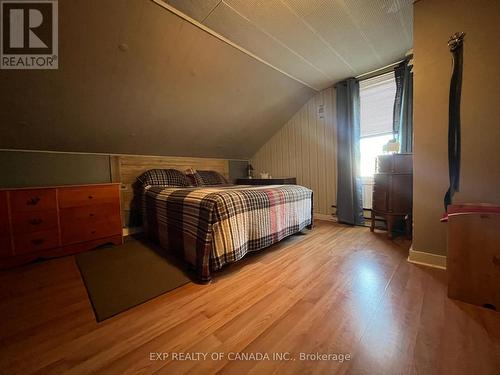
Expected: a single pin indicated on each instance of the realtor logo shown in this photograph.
(29, 34)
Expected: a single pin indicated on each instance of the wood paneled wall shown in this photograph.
(126, 169)
(305, 147)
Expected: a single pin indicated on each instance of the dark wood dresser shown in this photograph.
(267, 181)
(393, 191)
(54, 221)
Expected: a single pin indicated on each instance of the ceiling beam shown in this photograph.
(225, 40)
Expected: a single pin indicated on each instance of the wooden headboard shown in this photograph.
(126, 169)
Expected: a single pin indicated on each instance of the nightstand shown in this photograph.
(267, 181)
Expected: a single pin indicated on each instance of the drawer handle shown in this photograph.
(37, 241)
(496, 261)
(91, 215)
(93, 232)
(91, 196)
(33, 201)
(35, 221)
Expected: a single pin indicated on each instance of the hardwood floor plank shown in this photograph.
(336, 289)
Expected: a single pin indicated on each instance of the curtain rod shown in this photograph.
(379, 71)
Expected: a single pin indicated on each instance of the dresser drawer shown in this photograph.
(32, 242)
(81, 230)
(43, 221)
(35, 221)
(380, 197)
(88, 195)
(380, 200)
(395, 163)
(5, 247)
(33, 200)
(4, 215)
(385, 164)
(89, 214)
(5, 244)
(403, 163)
(402, 193)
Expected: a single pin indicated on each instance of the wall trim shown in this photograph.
(427, 259)
(112, 154)
(222, 38)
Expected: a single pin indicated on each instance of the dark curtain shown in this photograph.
(454, 132)
(349, 201)
(403, 107)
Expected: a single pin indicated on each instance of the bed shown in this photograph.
(218, 224)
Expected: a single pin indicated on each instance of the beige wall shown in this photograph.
(305, 148)
(434, 22)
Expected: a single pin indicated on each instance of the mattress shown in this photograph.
(213, 226)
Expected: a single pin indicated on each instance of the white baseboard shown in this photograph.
(427, 259)
(323, 217)
(131, 230)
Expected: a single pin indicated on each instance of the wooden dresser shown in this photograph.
(393, 190)
(54, 221)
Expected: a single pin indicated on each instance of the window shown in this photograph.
(376, 105)
(376, 97)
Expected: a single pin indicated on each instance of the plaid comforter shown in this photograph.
(213, 226)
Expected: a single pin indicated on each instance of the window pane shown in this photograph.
(376, 104)
(370, 147)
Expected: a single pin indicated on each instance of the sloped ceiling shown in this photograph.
(319, 42)
(135, 78)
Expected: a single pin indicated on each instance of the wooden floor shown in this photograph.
(336, 289)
